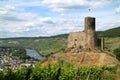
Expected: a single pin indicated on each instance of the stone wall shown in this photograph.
(86, 39)
(76, 39)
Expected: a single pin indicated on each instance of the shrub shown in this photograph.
(117, 53)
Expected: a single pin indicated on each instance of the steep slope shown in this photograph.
(114, 32)
(82, 58)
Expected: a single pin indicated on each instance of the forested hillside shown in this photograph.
(48, 45)
(114, 32)
(44, 45)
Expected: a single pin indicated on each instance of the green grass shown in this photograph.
(48, 45)
(45, 46)
(112, 43)
(114, 32)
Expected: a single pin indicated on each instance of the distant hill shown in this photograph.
(114, 32)
(44, 45)
(41, 37)
(51, 44)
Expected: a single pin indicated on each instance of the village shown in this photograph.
(10, 59)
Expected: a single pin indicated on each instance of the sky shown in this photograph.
(34, 18)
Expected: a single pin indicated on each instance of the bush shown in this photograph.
(117, 53)
(60, 71)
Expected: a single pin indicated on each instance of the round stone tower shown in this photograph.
(91, 37)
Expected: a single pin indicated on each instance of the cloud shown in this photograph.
(46, 26)
(61, 5)
(13, 20)
(47, 20)
(117, 9)
(16, 21)
(10, 13)
(28, 3)
(5, 9)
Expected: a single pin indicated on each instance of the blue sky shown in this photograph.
(33, 18)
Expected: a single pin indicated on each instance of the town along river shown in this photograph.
(34, 54)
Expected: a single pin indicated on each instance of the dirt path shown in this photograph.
(102, 57)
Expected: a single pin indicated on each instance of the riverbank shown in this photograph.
(12, 58)
(34, 54)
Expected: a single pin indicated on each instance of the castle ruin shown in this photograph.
(87, 39)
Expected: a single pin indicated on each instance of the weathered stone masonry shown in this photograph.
(86, 39)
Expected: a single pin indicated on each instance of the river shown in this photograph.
(34, 54)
